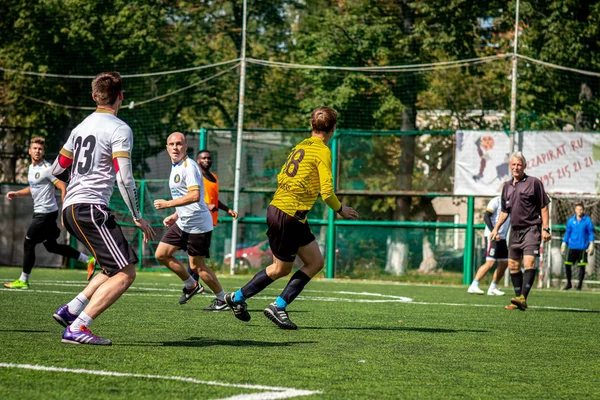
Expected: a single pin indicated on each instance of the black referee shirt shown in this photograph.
(524, 201)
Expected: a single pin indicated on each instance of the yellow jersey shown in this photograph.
(305, 175)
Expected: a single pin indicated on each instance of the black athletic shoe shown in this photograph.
(567, 286)
(217, 305)
(238, 309)
(279, 317)
(188, 293)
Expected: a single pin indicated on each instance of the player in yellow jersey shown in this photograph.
(305, 175)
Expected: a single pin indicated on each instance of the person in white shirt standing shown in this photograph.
(97, 152)
(43, 228)
(190, 226)
(496, 250)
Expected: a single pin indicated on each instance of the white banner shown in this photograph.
(481, 162)
(566, 162)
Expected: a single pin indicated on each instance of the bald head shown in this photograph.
(177, 147)
(177, 136)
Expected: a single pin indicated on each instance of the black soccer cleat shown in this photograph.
(217, 305)
(189, 293)
(279, 317)
(238, 309)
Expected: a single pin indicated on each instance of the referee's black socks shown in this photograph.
(517, 281)
(528, 277)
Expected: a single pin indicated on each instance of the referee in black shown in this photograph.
(526, 201)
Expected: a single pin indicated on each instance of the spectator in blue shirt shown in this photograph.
(579, 237)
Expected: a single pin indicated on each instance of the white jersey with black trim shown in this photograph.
(494, 206)
(92, 146)
(185, 177)
(41, 182)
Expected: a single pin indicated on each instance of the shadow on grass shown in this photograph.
(388, 328)
(206, 342)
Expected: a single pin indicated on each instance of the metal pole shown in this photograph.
(238, 145)
(468, 253)
(513, 93)
(202, 140)
(330, 245)
(140, 236)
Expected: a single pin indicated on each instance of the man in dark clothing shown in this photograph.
(526, 201)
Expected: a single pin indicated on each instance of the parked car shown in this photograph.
(256, 257)
(260, 256)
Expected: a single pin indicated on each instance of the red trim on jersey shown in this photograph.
(64, 162)
(116, 164)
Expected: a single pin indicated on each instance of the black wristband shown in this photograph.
(341, 208)
(546, 230)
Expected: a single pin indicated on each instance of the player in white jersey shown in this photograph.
(98, 151)
(190, 226)
(43, 228)
(496, 250)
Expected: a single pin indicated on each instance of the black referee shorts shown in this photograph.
(286, 234)
(43, 227)
(93, 226)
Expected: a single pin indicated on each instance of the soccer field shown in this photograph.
(355, 340)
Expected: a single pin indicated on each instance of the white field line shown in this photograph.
(386, 298)
(272, 392)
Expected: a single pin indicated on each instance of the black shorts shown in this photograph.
(43, 227)
(496, 250)
(93, 226)
(577, 257)
(524, 241)
(286, 234)
(196, 244)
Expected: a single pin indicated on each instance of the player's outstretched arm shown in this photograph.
(126, 185)
(193, 196)
(348, 212)
(223, 206)
(23, 192)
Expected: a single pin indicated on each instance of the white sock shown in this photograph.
(82, 320)
(83, 258)
(493, 285)
(24, 277)
(77, 305)
(475, 283)
(189, 283)
(221, 295)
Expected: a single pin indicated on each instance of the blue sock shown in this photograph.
(281, 303)
(239, 297)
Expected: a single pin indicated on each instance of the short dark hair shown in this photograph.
(38, 140)
(323, 119)
(106, 87)
(202, 151)
(579, 204)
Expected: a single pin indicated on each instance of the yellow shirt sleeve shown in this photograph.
(326, 180)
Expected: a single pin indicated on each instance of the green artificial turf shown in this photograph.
(355, 340)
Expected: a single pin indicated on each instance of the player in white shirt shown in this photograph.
(190, 226)
(98, 151)
(43, 228)
(496, 250)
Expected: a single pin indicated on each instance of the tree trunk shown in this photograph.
(397, 255)
(9, 158)
(584, 119)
